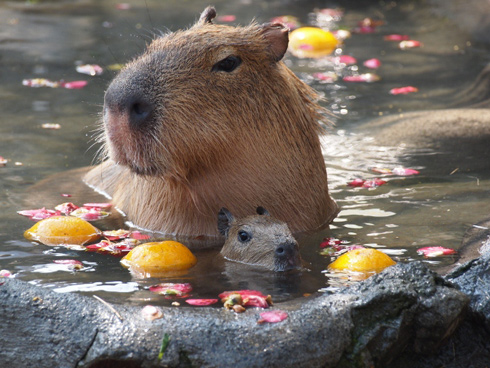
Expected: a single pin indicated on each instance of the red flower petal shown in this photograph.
(272, 316)
(403, 90)
(68, 262)
(435, 251)
(201, 302)
(5, 273)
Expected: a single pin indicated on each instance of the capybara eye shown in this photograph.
(244, 237)
(228, 64)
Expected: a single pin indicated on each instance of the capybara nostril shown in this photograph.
(140, 113)
(280, 250)
(129, 105)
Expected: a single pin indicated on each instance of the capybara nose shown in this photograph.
(286, 249)
(128, 105)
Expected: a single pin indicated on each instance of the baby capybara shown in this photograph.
(259, 240)
(209, 117)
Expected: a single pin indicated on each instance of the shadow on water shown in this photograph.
(47, 40)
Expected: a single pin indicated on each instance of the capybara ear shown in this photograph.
(225, 218)
(278, 36)
(207, 15)
(262, 211)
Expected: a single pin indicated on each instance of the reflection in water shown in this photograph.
(398, 217)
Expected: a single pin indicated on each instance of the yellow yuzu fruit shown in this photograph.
(362, 260)
(63, 230)
(312, 42)
(159, 258)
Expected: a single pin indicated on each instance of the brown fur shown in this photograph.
(259, 240)
(238, 139)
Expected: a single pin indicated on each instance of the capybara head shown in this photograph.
(175, 108)
(260, 240)
(210, 117)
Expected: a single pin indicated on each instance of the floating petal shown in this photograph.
(409, 44)
(372, 63)
(431, 252)
(172, 289)
(201, 302)
(90, 69)
(272, 316)
(367, 77)
(403, 90)
(396, 37)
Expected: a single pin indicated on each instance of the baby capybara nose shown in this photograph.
(286, 250)
(128, 105)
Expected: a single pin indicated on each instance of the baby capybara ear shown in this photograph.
(207, 15)
(225, 218)
(262, 211)
(277, 34)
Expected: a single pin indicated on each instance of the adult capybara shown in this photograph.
(259, 240)
(210, 117)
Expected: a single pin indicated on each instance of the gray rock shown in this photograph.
(405, 307)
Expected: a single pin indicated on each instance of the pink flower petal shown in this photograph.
(288, 20)
(3, 161)
(372, 63)
(201, 302)
(226, 18)
(5, 273)
(367, 77)
(39, 214)
(405, 172)
(356, 183)
(325, 77)
(435, 251)
(255, 301)
(409, 44)
(403, 90)
(71, 264)
(116, 234)
(123, 6)
(172, 289)
(346, 59)
(396, 37)
(66, 208)
(272, 316)
(243, 293)
(65, 195)
(139, 236)
(89, 214)
(74, 84)
(40, 82)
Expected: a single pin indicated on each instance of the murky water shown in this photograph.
(47, 40)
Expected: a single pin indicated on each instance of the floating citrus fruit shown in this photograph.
(364, 260)
(159, 259)
(312, 42)
(63, 230)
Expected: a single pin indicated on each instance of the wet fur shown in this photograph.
(238, 140)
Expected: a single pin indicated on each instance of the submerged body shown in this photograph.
(207, 118)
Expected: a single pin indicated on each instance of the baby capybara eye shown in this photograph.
(244, 237)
